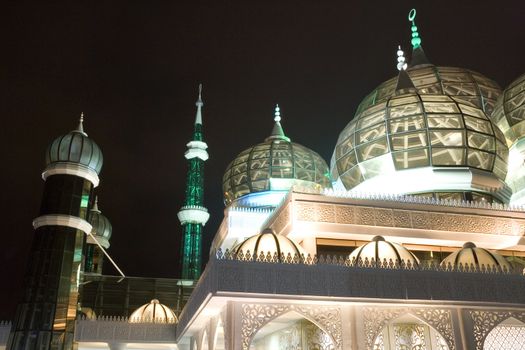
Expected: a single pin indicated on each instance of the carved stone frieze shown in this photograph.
(256, 316)
(389, 217)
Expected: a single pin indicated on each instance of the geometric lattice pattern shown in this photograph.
(505, 337)
(252, 170)
(413, 131)
(462, 84)
(509, 112)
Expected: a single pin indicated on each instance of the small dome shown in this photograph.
(411, 131)
(101, 225)
(472, 255)
(509, 112)
(75, 147)
(153, 312)
(269, 242)
(277, 164)
(381, 250)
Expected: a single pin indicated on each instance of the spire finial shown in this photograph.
(401, 64)
(277, 131)
(199, 104)
(277, 114)
(80, 127)
(95, 206)
(416, 39)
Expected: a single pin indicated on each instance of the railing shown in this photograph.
(5, 328)
(114, 329)
(274, 258)
(422, 200)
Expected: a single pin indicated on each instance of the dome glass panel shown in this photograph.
(412, 131)
(461, 84)
(509, 112)
(257, 169)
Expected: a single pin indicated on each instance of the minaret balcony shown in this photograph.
(193, 214)
(196, 149)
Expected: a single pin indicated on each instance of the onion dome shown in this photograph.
(380, 251)
(101, 226)
(153, 312)
(509, 116)
(277, 164)
(509, 112)
(416, 143)
(269, 242)
(75, 152)
(459, 83)
(471, 255)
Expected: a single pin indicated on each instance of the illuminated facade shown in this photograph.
(416, 242)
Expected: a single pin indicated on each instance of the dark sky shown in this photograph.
(133, 68)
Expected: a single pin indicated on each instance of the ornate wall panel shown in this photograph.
(486, 321)
(375, 319)
(255, 316)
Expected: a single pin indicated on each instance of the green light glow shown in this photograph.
(416, 39)
(191, 253)
(84, 202)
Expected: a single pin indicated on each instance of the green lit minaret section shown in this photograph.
(193, 215)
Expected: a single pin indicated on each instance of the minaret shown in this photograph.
(97, 240)
(193, 215)
(46, 314)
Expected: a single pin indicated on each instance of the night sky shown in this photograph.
(133, 68)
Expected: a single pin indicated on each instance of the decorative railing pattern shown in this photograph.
(421, 200)
(194, 207)
(129, 319)
(274, 258)
(114, 329)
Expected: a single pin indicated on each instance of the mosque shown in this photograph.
(412, 238)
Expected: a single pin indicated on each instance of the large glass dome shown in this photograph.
(509, 112)
(461, 84)
(416, 143)
(277, 164)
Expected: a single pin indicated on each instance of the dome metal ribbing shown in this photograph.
(75, 147)
(381, 250)
(509, 112)
(461, 84)
(153, 312)
(275, 164)
(412, 130)
(101, 225)
(269, 242)
(471, 255)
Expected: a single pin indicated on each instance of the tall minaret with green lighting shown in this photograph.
(193, 215)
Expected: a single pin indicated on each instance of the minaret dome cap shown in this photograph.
(77, 148)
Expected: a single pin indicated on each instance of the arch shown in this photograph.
(291, 325)
(509, 334)
(399, 323)
(255, 316)
(219, 342)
